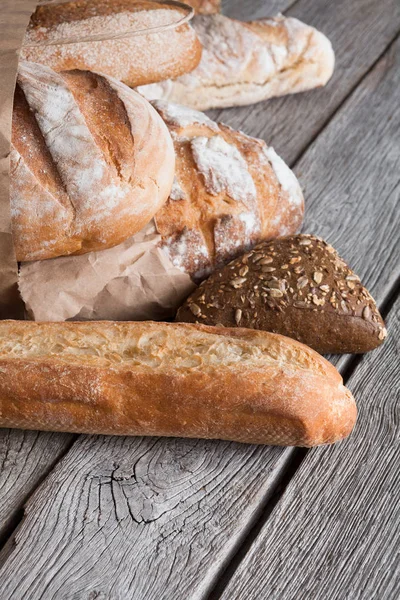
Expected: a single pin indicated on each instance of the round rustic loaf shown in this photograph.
(91, 163)
(230, 192)
(135, 60)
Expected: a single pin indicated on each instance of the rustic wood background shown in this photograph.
(96, 518)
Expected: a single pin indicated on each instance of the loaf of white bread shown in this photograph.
(91, 162)
(230, 192)
(167, 379)
(243, 63)
(137, 42)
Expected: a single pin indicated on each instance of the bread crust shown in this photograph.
(135, 60)
(91, 163)
(170, 379)
(230, 192)
(245, 63)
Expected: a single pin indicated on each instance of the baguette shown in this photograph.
(230, 192)
(135, 60)
(91, 163)
(166, 379)
(244, 63)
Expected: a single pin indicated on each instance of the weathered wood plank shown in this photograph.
(116, 510)
(359, 31)
(338, 524)
(25, 459)
(124, 517)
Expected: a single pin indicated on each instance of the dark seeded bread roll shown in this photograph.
(296, 286)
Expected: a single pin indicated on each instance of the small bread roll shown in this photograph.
(91, 163)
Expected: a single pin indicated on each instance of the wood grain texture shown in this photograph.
(359, 31)
(136, 518)
(80, 531)
(338, 524)
(25, 459)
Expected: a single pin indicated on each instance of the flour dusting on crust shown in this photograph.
(188, 251)
(177, 192)
(286, 177)
(223, 168)
(182, 116)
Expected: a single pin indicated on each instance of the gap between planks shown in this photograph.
(9, 529)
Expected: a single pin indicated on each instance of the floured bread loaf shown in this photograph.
(91, 162)
(230, 191)
(135, 60)
(244, 63)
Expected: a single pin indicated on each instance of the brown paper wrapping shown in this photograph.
(134, 281)
(13, 22)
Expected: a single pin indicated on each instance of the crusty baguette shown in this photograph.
(244, 63)
(135, 60)
(167, 379)
(230, 192)
(91, 163)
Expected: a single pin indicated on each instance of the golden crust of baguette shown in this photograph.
(167, 379)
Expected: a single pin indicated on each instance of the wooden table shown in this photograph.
(86, 517)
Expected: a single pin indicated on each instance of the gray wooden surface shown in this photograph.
(337, 527)
(135, 518)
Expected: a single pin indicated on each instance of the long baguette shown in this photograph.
(245, 63)
(168, 379)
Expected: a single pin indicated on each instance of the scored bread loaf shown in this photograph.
(167, 379)
(296, 286)
(91, 162)
(244, 63)
(135, 60)
(230, 191)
